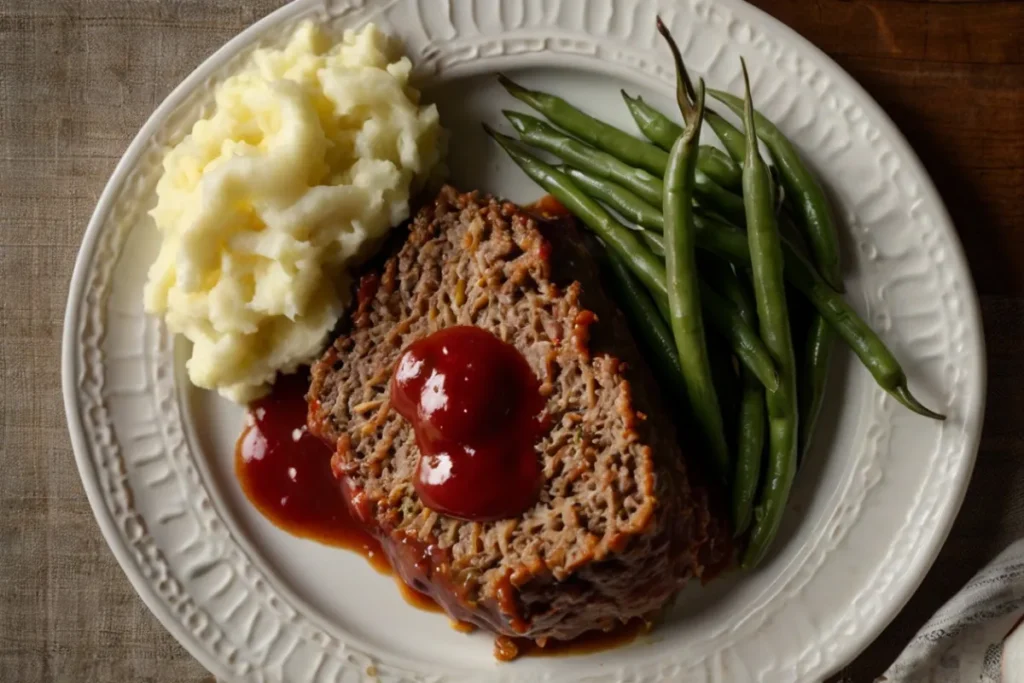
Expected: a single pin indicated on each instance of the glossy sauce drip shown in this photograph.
(475, 405)
(549, 208)
(286, 473)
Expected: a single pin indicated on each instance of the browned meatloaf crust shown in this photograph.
(617, 528)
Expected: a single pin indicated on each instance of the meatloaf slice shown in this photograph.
(616, 529)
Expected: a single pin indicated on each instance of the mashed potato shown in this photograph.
(309, 158)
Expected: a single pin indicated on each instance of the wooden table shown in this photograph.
(78, 79)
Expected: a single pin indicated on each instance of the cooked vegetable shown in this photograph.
(750, 418)
(730, 243)
(608, 138)
(663, 131)
(579, 154)
(803, 190)
(812, 377)
(686, 320)
(732, 138)
(725, 319)
(772, 311)
(625, 242)
(719, 167)
(648, 268)
(643, 315)
(750, 431)
(655, 242)
(617, 197)
(819, 232)
(656, 127)
(619, 143)
(735, 144)
(602, 164)
(676, 195)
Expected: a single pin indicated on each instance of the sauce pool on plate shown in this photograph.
(286, 473)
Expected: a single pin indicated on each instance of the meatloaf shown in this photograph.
(618, 526)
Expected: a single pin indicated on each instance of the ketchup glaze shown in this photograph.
(286, 473)
(475, 407)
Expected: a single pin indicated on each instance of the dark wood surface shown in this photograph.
(79, 77)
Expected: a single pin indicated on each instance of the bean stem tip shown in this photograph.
(902, 394)
(511, 86)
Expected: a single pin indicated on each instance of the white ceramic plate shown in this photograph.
(869, 510)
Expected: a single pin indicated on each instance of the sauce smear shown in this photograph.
(549, 208)
(475, 406)
(286, 473)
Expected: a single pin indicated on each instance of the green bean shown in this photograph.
(655, 242)
(656, 127)
(619, 143)
(602, 164)
(735, 144)
(803, 190)
(730, 243)
(732, 138)
(820, 235)
(633, 207)
(813, 376)
(750, 420)
(750, 433)
(661, 302)
(820, 337)
(767, 264)
(719, 167)
(617, 197)
(663, 131)
(645, 265)
(727, 381)
(625, 242)
(725, 368)
(608, 138)
(584, 157)
(681, 267)
(814, 362)
(718, 199)
(641, 312)
(743, 338)
(725, 319)
(687, 320)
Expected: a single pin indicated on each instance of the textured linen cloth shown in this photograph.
(976, 636)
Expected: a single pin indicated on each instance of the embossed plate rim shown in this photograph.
(72, 322)
(69, 365)
(923, 561)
